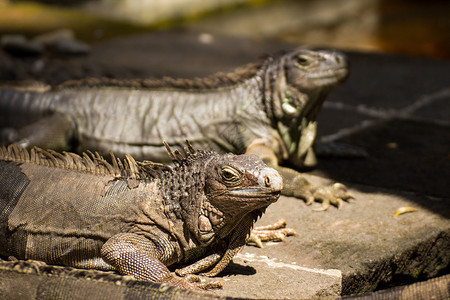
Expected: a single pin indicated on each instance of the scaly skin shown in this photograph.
(136, 218)
(268, 108)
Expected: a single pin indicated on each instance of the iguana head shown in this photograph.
(220, 191)
(297, 84)
(236, 187)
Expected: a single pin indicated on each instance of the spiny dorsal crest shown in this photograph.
(209, 82)
(176, 156)
(190, 154)
(88, 161)
(95, 163)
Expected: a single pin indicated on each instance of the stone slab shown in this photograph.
(363, 242)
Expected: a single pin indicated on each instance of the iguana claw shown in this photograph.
(297, 185)
(193, 282)
(334, 195)
(205, 284)
(275, 232)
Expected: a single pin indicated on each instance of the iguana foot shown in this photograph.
(275, 232)
(205, 284)
(296, 184)
(334, 195)
(194, 282)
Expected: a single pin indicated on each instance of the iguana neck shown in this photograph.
(295, 88)
(182, 187)
(276, 91)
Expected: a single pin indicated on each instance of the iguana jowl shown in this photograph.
(132, 217)
(268, 108)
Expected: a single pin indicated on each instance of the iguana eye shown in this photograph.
(230, 176)
(303, 60)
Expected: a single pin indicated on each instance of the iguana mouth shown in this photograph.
(256, 193)
(212, 219)
(337, 74)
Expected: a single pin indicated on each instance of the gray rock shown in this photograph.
(51, 37)
(19, 45)
(69, 47)
(62, 42)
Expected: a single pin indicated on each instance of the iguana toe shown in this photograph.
(206, 284)
(334, 195)
(274, 232)
(299, 185)
(309, 199)
(193, 282)
(339, 203)
(325, 205)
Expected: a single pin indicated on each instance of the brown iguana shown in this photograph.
(32, 280)
(132, 217)
(267, 108)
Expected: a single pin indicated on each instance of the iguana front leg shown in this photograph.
(295, 184)
(133, 254)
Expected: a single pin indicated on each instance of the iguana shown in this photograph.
(33, 280)
(132, 217)
(267, 108)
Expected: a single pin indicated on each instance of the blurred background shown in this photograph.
(408, 27)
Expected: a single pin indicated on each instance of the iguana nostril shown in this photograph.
(270, 178)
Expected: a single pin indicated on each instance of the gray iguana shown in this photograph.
(268, 108)
(132, 217)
